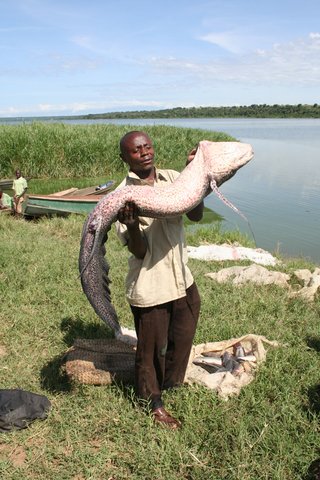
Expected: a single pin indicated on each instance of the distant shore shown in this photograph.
(242, 111)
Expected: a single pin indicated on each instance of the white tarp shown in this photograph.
(231, 252)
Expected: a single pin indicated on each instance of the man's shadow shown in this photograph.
(314, 391)
(53, 376)
(313, 472)
(313, 343)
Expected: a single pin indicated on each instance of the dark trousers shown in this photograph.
(165, 335)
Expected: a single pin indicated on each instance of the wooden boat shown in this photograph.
(96, 190)
(88, 191)
(73, 200)
(6, 183)
(37, 205)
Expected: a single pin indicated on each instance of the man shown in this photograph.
(160, 288)
(20, 188)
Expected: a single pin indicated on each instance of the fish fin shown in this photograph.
(229, 204)
(95, 278)
(95, 245)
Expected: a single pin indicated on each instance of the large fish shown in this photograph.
(213, 164)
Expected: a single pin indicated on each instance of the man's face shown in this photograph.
(18, 174)
(138, 153)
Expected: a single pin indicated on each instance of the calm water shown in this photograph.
(279, 190)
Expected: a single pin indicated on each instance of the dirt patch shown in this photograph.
(3, 351)
(16, 455)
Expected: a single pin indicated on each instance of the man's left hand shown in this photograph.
(191, 155)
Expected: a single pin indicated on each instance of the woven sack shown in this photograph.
(100, 362)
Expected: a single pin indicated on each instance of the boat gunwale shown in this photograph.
(64, 199)
(35, 210)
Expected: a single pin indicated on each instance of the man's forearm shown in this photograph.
(137, 244)
(196, 214)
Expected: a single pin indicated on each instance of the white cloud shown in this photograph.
(70, 64)
(296, 62)
(78, 107)
(314, 35)
(225, 40)
(82, 41)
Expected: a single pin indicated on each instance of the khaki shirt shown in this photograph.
(19, 185)
(162, 275)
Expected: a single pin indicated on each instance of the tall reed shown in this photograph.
(57, 150)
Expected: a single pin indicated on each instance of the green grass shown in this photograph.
(269, 432)
(57, 150)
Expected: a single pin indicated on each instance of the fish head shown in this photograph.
(224, 159)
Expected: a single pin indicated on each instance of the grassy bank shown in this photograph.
(43, 150)
(270, 431)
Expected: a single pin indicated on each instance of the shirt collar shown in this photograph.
(135, 179)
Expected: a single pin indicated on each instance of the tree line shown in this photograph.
(250, 111)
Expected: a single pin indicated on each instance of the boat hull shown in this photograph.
(72, 200)
(38, 205)
(6, 184)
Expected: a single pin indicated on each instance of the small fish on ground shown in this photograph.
(214, 361)
(235, 364)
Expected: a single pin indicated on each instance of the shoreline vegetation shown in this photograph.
(271, 430)
(57, 150)
(240, 111)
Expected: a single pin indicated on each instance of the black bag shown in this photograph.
(18, 408)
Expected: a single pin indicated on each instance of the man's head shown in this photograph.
(18, 173)
(136, 149)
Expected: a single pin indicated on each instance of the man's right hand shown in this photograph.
(128, 215)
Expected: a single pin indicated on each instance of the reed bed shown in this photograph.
(57, 150)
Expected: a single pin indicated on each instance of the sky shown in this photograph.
(72, 57)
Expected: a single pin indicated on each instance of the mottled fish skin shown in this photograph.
(213, 164)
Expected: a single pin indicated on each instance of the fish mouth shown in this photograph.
(226, 176)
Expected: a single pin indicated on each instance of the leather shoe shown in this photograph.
(161, 416)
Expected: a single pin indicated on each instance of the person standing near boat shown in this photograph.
(160, 288)
(20, 188)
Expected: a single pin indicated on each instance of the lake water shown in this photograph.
(279, 190)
